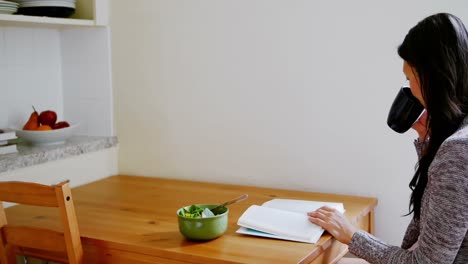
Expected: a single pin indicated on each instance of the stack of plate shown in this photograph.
(52, 8)
(7, 7)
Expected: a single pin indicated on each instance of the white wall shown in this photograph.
(87, 80)
(30, 73)
(65, 70)
(290, 94)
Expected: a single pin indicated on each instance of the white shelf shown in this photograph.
(22, 20)
(88, 13)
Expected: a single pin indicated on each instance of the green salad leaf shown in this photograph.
(195, 211)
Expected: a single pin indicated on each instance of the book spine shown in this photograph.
(7, 135)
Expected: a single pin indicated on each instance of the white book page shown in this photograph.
(301, 206)
(287, 224)
(7, 134)
(254, 232)
(8, 149)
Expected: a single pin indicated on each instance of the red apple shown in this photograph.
(61, 124)
(48, 118)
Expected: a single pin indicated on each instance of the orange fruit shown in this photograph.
(44, 128)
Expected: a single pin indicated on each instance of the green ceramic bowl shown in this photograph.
(203, 228)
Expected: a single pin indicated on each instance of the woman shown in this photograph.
(435, 54)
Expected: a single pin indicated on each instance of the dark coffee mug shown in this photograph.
(405, 111)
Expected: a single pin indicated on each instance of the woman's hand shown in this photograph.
(421, 127)
(334, 222)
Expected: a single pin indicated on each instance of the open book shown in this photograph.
(284, 219)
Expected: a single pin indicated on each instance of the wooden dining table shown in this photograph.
(132, 219)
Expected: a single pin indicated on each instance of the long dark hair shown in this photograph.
(437, 49)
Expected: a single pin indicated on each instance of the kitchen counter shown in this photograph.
(33, 155)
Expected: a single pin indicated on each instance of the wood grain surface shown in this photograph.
(131, 219)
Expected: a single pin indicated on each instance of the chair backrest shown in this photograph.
(38, 242)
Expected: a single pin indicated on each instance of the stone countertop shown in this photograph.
(29, 155)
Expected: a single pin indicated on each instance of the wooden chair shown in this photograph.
(38, 242)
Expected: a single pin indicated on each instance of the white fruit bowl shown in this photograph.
(48, 137)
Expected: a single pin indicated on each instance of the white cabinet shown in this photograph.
(87, 13)
(62, 64)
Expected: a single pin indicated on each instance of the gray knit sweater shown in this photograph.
(441, 232)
